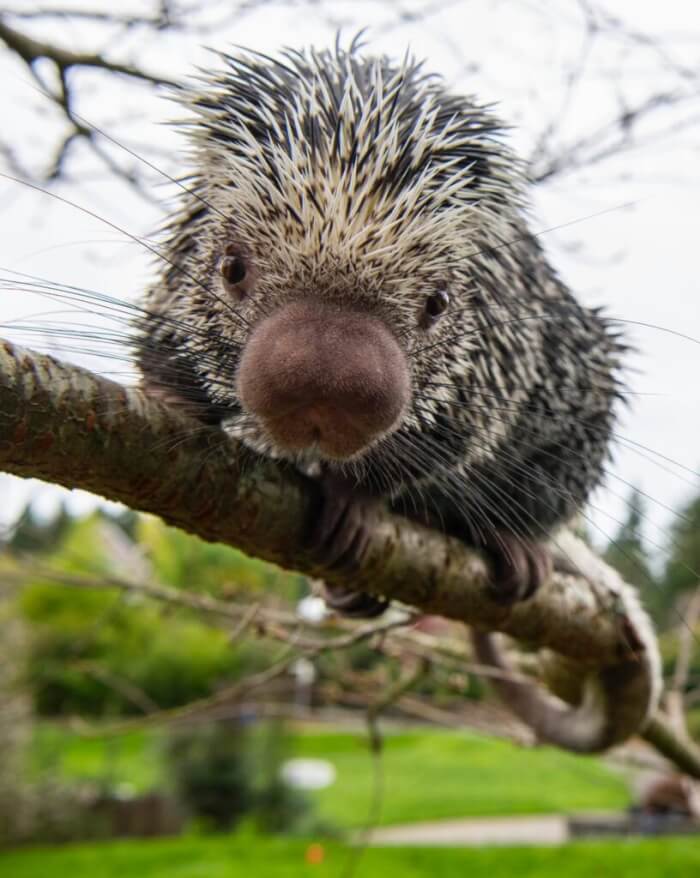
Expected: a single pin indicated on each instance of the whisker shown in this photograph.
(517, 407)
(521, 467)
(133, 237)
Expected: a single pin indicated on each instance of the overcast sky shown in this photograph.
(640, 260)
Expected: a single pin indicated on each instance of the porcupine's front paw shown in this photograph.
(338, 541)
(520, 565)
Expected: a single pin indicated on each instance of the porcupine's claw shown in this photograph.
(338, 540)
(521, 565)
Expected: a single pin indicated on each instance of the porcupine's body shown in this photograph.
(352, 286)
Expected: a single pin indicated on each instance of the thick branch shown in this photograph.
(66, 425)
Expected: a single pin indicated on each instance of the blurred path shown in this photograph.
(537, 830)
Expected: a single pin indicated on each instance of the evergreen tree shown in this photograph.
(627, 553)
(34, 534)
(682, 573)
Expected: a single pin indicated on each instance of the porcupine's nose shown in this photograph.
(318, 375)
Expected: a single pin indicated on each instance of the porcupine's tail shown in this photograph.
(601, 719)
(610, 703)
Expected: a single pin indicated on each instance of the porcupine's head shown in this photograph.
(327, 278)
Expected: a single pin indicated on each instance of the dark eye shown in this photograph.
(233, 272)
(435, 305)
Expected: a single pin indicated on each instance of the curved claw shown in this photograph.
(338, 541)
(521, 567)
(355, 604)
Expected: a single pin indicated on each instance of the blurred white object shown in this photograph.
(308, 774)
(312, 609)
(304, 671)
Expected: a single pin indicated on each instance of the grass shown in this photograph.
(425, 775)
(133, 759)
(431, 775)
(244, 855)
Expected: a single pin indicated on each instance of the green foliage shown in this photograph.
(669, 642)
(33, 534)
(96, 654)
(693, 720)
(627, 553)
(682, 573)
(222, 771)
(16, 725)
(210, 768)
(279, 807)
(133, 759)
(103, 652)
(470, 775)
(184, 561)
(245, 855)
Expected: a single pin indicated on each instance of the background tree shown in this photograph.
(682, 571)
(628, 554)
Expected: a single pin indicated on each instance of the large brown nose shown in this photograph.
(317, 375)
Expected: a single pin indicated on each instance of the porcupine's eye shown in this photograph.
(435, 305)
(233, 272)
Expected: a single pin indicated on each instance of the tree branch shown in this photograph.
(64, 424)
(31, 50)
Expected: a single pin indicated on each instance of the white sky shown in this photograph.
(640, 261)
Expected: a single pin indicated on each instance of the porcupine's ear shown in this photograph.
(170, 379)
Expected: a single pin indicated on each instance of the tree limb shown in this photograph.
(660, 733)
(64, 424)
(31, 51)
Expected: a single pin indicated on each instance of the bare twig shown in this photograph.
(128, 690)
(31, 51)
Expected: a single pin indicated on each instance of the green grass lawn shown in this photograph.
(426, 774)
(134, 758)
(230, 857)
(435, 774)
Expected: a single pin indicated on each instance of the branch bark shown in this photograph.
(66, 425)
(31, 51)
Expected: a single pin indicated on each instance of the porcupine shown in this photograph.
(351, 285)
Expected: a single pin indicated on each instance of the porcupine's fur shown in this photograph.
(365, 187)
(357, 182)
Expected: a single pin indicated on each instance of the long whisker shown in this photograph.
(522, 468)
(639, 448)
(526, 236)
(131, 236)
(140, 158)
(605, 471)
(513, 321)
(515, 506)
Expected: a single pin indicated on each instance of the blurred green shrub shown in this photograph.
(279, 807)
(105, 652)
(222, 772)
(212, 772)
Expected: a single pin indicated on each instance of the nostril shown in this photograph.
(315, 431)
